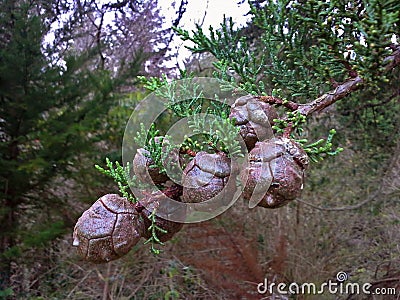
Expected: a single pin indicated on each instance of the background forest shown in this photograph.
(69, 82)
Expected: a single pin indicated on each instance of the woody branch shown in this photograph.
(341, 91)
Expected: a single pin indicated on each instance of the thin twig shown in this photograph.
(141, 283)
(75, 287)
(205, 14)
(394, 59)
(385, 280)
(341, 208)
(372, 105)
(382, 190)
(279, 102)
(106, 289)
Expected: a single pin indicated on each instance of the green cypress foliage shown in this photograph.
(304, 46)
(300, 50)
(51, 117)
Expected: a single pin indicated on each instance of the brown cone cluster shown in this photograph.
(272, 177)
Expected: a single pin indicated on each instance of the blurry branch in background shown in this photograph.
(388, 186)
(390, 183)
(370, 198)
(181, 10)
(205, 14)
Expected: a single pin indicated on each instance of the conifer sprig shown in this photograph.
(153, 228)
(157, 147)
(318, 150)
(121, 176)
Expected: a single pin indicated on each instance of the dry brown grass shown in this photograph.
(227, 257)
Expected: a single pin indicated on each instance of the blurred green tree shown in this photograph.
(47, 113)
(63, 73)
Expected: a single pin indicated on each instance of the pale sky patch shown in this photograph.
(207, 13)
